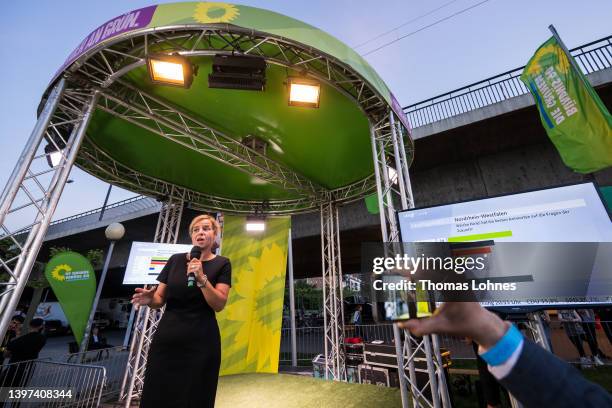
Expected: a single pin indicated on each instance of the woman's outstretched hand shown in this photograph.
(143, 297)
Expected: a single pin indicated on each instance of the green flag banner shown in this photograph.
(575, 118)
(73, 281)
(251, 322)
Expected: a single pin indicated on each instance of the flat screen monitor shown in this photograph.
(568, 214)
(147, 259)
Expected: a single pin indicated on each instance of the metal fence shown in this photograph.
(84, 383)
(309, 342)
(591, 57)
(572, 340)
(113, 360)
(591, 340)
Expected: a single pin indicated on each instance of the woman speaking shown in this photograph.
(184, 358)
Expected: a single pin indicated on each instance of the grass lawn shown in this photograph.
(601, 376)
(293, 391)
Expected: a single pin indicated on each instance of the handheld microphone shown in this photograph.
(196, 252)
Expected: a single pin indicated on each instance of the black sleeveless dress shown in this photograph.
(183, 364)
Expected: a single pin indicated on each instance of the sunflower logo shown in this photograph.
(215, 12)
(546, 56)
(58, 272)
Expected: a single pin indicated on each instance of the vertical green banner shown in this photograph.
(73, 281)
(575, 118)
(251, 322)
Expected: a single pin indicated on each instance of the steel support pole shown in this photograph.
(571, 60)
(416, 393)
(408, 202)
(21, 168)
(537, 331)
(431, 370)
(379, 182)
(292, 303)
(338, 259)
(94, 306)
(138, 342)
(130, 325)
(387, 138)
(443, 385)
(168, 225)
(399, 168)
(36, 235)
(110, 186)
(326, 351)
(29, 151)
(399, 352)
(332, 296)
(404, 167)
(385, 234)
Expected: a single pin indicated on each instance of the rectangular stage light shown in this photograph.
(304, 92)
(170, 70)
(255, 224)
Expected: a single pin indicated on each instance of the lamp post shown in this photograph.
(114, 232)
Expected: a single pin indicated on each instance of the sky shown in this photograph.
(486, 40)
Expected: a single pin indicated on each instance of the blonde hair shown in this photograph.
(213, 221)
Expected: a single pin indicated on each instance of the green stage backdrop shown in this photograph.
(73, 281)
(572, 113)
(251, 322)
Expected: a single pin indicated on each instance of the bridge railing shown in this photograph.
(591, 57)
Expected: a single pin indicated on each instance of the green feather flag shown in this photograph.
(73, 281)
(575, 118)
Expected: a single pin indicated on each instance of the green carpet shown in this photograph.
(293, 391)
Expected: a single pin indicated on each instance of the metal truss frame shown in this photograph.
(62, 123)
(389, 153)
(536, 328)
(104, 66)
(99, 164)
(147, 319)
(333, 310)
(153, 114)
(109, 61)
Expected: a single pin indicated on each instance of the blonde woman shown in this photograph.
(185, 355)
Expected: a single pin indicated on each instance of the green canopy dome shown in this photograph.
(228, 149)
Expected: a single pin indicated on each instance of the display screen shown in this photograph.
(573, 213)
(146, 261)
(551, 246)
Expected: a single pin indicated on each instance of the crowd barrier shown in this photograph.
(309, 341)
(113, 360)
(58, 384)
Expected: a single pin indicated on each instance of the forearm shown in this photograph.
(215, 298)
(158, 302)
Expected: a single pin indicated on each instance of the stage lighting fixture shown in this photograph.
(304, 92)
(54, 156)
(172, 70)
(255, 223)
(238, 72)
